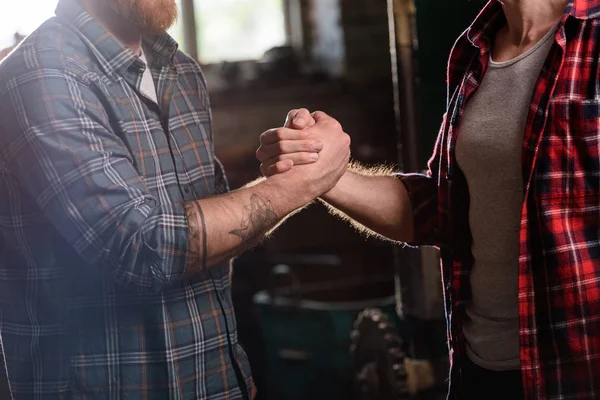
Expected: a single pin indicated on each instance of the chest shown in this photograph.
(557, 127)
(170, 142)
(493, 124)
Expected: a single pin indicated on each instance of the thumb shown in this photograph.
(299, 119)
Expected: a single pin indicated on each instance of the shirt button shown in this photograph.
(186, 189)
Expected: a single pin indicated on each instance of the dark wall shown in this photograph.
(439, 24)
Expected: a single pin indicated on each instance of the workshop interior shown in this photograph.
(324, 313)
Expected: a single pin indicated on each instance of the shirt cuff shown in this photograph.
(166, 241)
(423, 193)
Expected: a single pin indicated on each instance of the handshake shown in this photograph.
(311, 149)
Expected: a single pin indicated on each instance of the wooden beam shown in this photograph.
(188, 21)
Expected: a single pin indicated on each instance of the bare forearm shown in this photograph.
(225, 226)
(375, 201)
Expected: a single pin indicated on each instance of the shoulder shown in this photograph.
(48, 79)
(189, 67)
(54, 48)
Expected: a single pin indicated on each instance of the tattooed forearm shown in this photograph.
(197, 238)
(215, 233)
(258, 217)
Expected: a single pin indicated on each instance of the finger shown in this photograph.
(290, 118)
(296, 158)
(302, 119)
(277, 168)
(270, 169)
(273, 136)
(280, 167)
(287, 147)
(320, 116)
(323, 119)
(299, 119)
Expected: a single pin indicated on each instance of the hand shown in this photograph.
(280, 154)
(299, 119)
(320, 176)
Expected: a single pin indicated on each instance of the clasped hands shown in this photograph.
(312, 147)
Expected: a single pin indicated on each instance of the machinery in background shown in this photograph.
(306, 327)
(404, 356)
(379, 358)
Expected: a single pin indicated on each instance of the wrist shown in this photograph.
(289, 186)
(337, 191)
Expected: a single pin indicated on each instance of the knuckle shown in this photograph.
(279, 133)
(347, 140)
(263, 136)
(303, 135)
(332, 124)
(290, 117)
(279, 168)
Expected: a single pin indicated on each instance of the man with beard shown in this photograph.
(116, 224)
(512, 198)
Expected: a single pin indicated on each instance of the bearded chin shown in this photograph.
(152, 17)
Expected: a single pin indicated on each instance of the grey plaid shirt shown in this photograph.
(93, 234)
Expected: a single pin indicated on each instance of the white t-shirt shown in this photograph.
(147, 86)
(488, 151)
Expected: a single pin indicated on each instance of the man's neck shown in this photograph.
(529, 20)
(129, 35)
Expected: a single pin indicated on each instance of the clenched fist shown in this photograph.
(317, 151)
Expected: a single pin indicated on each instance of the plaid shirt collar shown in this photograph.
(583, 9)
(113, 57)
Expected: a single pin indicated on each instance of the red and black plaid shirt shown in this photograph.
(559, 263)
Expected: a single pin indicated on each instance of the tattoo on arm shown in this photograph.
(258, 217)
(197, 236)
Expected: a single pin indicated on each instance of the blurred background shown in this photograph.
(323, 312)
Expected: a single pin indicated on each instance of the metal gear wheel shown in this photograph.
(378, 357)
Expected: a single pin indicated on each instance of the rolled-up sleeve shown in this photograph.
(56, 140)
(423, 191)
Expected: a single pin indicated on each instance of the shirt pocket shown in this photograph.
(568, 232)
(568, 163)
